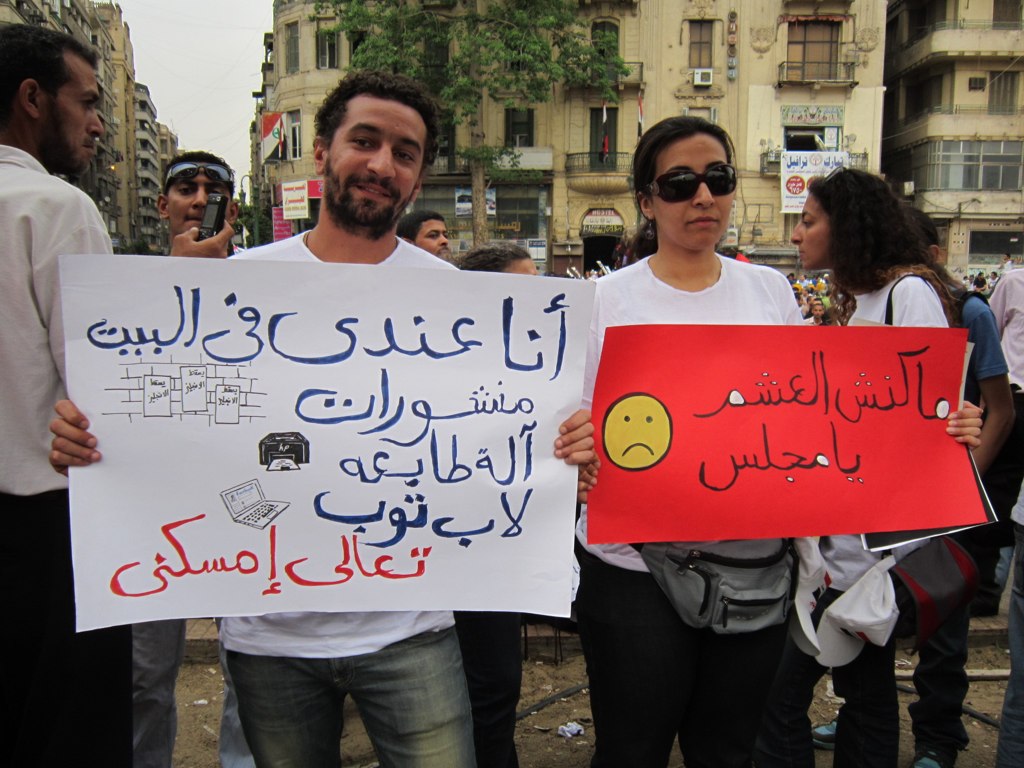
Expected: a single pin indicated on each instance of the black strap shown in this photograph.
(888, 302)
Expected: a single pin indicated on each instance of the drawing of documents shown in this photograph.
(249, 506)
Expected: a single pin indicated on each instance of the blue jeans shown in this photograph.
(1011, 729)
(867, 733)
(411, 695)
(231, 747)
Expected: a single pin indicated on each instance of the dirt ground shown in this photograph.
(545, 677)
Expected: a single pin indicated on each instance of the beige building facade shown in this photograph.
(953, 137)
(792, 82)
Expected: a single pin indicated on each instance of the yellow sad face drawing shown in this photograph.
(637, 431)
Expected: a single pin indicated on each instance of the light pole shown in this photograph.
(254, 190)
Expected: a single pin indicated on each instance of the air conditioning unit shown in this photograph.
(703, 77)
(908, 189)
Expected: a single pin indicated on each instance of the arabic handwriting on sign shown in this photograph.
(123, 337)
(166, 570)
(424, 348)
(249, 315)
(350, 557)
(401, 520)
(533, 336)
(784, 461)
(904, 389)
(768, 391)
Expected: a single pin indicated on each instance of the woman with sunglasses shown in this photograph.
(883, 272)
(653, 678)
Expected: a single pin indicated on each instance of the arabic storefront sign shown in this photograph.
(282, 436)
(295, 199)
(786, 432)
(798, 168)
(812, 114)
(282, 229)
(602, 221)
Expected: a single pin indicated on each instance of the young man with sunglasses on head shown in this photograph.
(376, 134)
(66, 696)
(190, 179)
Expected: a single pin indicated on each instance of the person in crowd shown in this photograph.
(427, 230)
(66, 695)
(940, 677)
(158, 647)
(653, 678)
(489, 640)
(1008, 307)
(870, 248)
(1007, 264)
(189, 180)
(979, 285)
(498, 257)
(818, 314)
(376, 135)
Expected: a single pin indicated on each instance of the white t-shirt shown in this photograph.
(330, 635)
(1008, 306)
(41, 218)
(745, 294)
(914, 303)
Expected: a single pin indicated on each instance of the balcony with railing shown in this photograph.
(818, 73)
(635, 75)
(449, 165)
(955, 40)
(597, 173)
(954, 120)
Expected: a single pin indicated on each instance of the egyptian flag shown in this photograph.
(639, 115)
(604, 129)
(272, 136)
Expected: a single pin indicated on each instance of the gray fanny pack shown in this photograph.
(728, 594)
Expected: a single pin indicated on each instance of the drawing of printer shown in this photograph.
(249, 506)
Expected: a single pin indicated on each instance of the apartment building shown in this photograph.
(953, 135)
(798, 85)
(148, 172)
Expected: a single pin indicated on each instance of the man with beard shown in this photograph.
(66, 696)
(376, 133)
(427, 230)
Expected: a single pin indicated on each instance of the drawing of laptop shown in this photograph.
(249, 506)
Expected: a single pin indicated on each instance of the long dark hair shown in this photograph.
(645, 166)
(872, 240)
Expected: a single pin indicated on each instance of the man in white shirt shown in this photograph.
(376, 135)
(66, 696)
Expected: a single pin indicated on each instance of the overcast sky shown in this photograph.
(201, 60)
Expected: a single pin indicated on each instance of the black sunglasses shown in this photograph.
(212, 171)
(677, 186)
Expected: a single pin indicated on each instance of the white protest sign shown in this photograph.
(317, 437)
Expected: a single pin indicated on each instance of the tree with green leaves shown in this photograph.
(512, 52)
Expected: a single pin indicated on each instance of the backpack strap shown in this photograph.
(888, 301)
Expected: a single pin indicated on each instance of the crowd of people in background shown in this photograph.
(665, 668)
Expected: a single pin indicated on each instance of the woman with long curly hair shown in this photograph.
(853, 225)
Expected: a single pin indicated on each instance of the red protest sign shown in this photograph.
(737, 432)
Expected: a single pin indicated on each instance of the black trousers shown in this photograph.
(494, 673)
(66, 697)
(655, 680)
